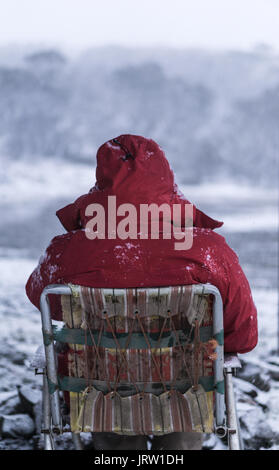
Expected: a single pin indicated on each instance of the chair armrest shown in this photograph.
(38, 361)
(231, 361)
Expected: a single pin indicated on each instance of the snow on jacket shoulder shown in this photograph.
(136, 171)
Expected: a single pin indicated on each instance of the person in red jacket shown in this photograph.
(133, 170)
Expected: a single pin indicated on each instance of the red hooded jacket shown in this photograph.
(136, 171)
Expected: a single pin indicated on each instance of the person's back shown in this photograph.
(111, 242)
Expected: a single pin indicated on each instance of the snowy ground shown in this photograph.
(29, 196)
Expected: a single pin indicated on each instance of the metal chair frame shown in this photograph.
(226, 421)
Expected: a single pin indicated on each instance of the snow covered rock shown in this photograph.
(255, 431)
(16, 444)
(210, 441)
(16, 425)
(29, 397)
(241, 386)
(9, 402)
(256, 375)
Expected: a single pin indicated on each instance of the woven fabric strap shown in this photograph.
(79, 384)
(136, 341)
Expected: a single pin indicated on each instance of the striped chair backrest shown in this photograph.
(140, 361)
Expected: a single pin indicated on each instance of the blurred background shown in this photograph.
(201, 79)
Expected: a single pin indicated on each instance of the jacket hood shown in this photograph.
(134, 168)
(136, 171)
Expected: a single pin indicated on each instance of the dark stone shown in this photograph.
(29, 397)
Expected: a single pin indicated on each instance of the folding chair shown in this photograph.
(140, 361)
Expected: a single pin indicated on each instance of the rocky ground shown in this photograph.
(257, 384)
(251, 231)
(257, 389)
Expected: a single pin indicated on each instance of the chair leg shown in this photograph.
(234, 439)
(48, 437)
(48, 442)
(77, 441)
